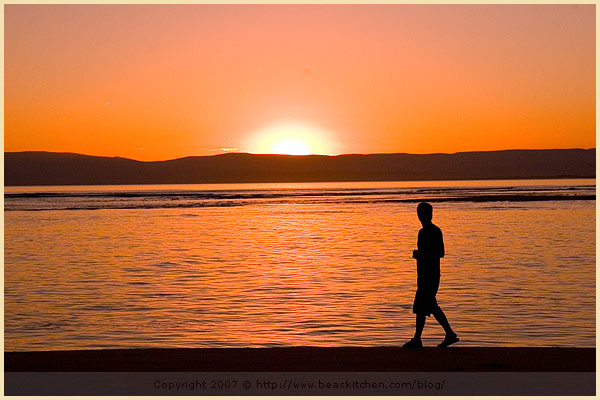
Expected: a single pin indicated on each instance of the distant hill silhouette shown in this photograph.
(43, 168)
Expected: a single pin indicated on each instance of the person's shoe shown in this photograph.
(448, 340)
(413, 344)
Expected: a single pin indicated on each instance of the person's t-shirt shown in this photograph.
(430, 244)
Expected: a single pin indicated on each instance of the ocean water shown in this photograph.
(325, 264)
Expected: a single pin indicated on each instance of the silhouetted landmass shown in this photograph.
(44, 168)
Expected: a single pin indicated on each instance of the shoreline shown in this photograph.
(305, 359)
(484, 179)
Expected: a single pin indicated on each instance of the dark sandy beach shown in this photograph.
(459, 359)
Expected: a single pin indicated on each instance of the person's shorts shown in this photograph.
(425, 301)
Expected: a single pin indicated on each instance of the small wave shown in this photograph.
(101, 307)
(50, 325)
(165, 264)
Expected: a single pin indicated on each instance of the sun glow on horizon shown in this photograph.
(291, 139)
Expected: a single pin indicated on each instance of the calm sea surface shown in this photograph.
(294, 264)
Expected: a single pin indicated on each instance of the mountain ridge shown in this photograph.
(39, 168)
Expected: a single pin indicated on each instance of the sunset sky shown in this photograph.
(156, 82)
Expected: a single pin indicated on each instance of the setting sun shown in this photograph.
(292, 146)
(291, 139)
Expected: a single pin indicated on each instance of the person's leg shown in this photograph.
(440, 317)
(451, 337)
(420, 323)
(415, 342)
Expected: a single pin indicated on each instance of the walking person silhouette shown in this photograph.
(430, 249)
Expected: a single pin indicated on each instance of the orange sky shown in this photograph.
(154, 82)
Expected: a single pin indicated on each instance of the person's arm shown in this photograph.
(442, 250)
(416, 253)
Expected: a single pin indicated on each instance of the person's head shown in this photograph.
(425, 212)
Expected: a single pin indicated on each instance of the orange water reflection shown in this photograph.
(274, 274)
